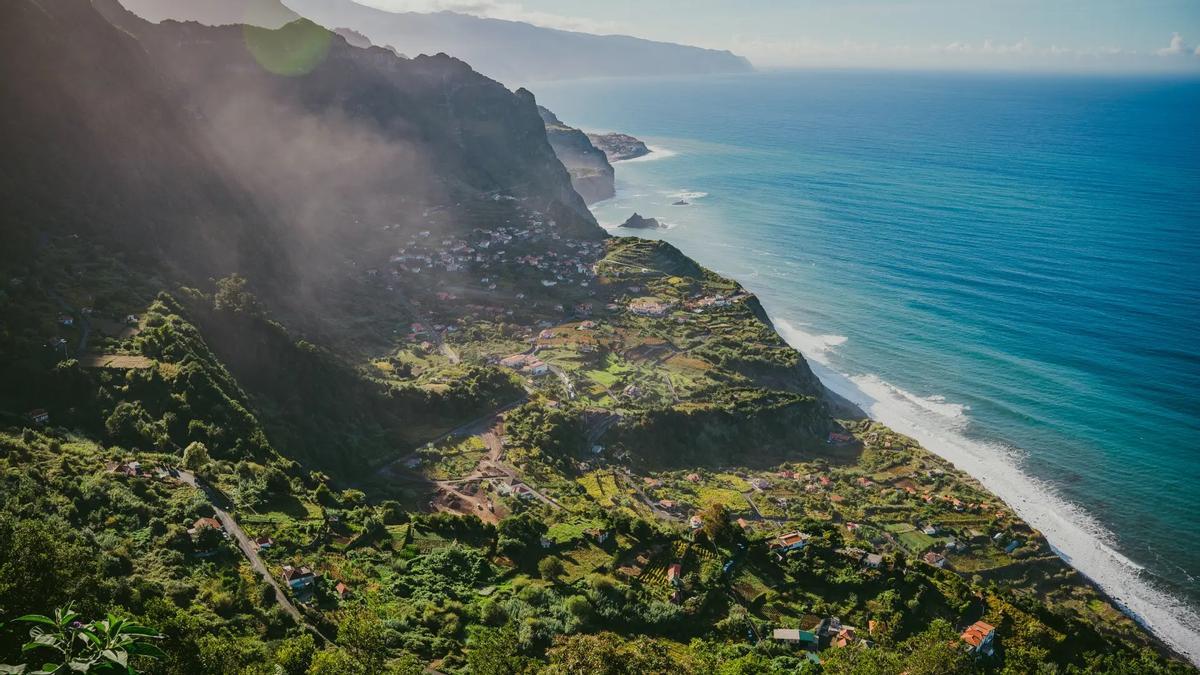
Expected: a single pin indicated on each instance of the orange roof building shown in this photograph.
(980, 637)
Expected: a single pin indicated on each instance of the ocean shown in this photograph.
(1004, 267)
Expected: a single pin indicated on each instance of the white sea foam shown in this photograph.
(688, 195)
(656, 152)
(1073, 533)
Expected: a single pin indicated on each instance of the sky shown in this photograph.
(1051, 35)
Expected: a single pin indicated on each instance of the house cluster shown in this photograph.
(567, 262)
(830, 632)
(652, 307)
(526, 364)
(823, 633)
(865, 558)
(514, 488)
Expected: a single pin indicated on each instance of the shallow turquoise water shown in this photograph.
(1010, 262)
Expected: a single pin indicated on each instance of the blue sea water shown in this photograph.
(1005, 267)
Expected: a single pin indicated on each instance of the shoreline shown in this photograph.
(1074, 536)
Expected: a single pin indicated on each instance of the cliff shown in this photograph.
(591, 174)
(618, 147)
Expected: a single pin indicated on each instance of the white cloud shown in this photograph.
(1021, 54)
(499, 9)
(1176, 47)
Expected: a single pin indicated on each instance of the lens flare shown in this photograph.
(296, 49)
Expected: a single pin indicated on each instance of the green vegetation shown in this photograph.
(456, 425)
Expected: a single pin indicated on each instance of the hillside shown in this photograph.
(315, 362)
(262, 13)
(518, 53)
(591, 174)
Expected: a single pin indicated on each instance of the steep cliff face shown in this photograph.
(213, 149)
(97, 142)
(618, 147)
(591, 174)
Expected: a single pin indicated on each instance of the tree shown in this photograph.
(295, 655)
(363, 635)
(716, 524)
(936, 651)
(335, 662)
(42, 564)
(493, 651)
(232, 296)
(551, 568)
(519, 534)
(195, 456)
(609, 654)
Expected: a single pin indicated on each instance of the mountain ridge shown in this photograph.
(513, 52)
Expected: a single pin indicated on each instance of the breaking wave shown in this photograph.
(1077, 537)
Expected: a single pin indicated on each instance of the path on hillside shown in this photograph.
(248, 548)
(476, 427)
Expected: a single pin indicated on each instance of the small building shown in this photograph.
(845, 637)
(792, 541)
(930, 530)
(1012, 546)
(263, 543)
(39, 417)
(547, 542)
(693, 478)
(342, 590)
(202, 524)
(298, 577)
(760, 484)
(667, 504)
(674, 574)
(873, 560)
(66, 320)
(980, 638)
(794, 636)
(695, 522)
(936, 559)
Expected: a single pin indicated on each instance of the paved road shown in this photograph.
(476, 427)
(247, 547)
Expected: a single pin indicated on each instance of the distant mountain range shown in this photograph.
(509, 51)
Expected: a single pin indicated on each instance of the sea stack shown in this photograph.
(637, 222)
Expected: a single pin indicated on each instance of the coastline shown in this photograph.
(1077, 538)
(1071, 533)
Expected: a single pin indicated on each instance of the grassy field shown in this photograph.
(602, 487)
(452, 459)
(732, 499)
(916, 541)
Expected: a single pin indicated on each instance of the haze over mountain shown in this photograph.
(510, 51)
(264, 13)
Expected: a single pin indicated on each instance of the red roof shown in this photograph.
(202, 523)
(977, 632)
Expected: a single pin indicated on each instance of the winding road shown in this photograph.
(216, 498)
